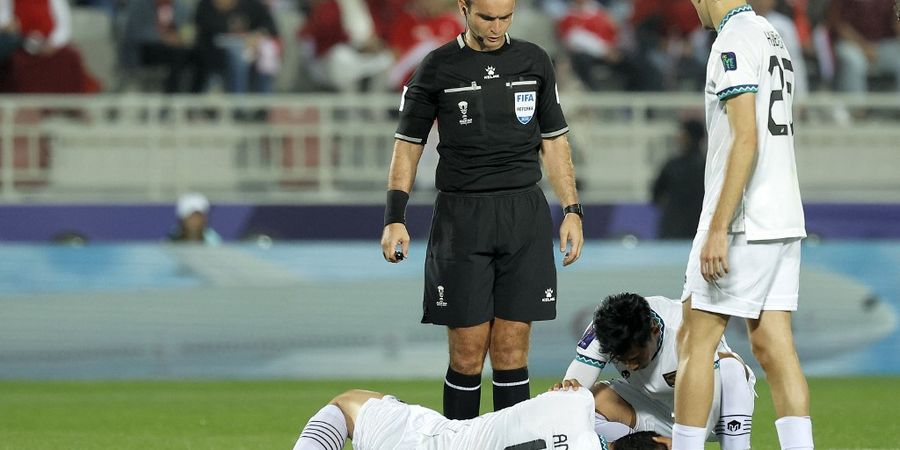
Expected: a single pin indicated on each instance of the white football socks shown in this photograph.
(736, 410)
(795, 432)
(685, 437)
(326, 430)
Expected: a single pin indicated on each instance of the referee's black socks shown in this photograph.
(510, 387)
(462, 395)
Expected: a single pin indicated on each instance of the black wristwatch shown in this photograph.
(574, 208)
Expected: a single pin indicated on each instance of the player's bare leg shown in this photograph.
(509, 346)
(697, 340)
(772, 342)
(462, 386)
(615, 417)
(329, 428)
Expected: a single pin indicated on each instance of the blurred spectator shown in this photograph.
(678, 189)
(154, 36)
(788, 32)
(345, 41)
(9, 33)
(590, 36)
(865, 35)
(45, 62)
(193, 221)
(668, 36)
(237, 40)
(424, 26)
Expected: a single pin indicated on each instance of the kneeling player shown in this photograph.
(375, 421)
(638, 336)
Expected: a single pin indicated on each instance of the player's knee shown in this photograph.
(344, 397)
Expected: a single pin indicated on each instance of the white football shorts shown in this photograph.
(388, 423)
(763, 275)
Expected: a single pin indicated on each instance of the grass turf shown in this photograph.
(848, 413)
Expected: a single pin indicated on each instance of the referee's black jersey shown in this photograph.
(493, 109)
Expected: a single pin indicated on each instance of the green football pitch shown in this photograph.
(848, 413)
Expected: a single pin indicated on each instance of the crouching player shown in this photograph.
(638, 335)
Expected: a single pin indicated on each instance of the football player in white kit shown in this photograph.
(745, 259)
(638, 335)
(553, 420)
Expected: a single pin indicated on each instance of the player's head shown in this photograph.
(626, 330)
(487, 21)
(642, 440)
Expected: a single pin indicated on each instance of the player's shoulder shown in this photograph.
(568, 399)
(745, 29)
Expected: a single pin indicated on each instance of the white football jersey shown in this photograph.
(749, 56)
(552, 420)
(657, 380)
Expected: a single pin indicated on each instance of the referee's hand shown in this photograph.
(394, 234)
(571, 236)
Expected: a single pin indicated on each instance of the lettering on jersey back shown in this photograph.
(560, 441)
(774, 39)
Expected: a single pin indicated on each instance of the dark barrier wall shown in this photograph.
(41, 223)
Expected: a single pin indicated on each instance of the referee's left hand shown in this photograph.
(571, 236)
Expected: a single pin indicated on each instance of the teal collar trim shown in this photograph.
(732, 13)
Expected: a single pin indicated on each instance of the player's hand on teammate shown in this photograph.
(571, 238)
(664, 441)
(395, 234)
(565, 385)
(714, 256)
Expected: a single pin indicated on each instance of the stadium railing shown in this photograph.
(336, 149)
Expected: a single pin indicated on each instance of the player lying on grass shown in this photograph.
(552, 420)
(638, 335)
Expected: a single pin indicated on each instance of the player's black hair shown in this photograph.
(622, 321)
(642, 440)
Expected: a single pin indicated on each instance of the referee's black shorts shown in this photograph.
(490, 255)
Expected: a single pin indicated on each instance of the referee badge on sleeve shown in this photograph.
(525, 105)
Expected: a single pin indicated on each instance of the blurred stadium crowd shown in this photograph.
(264, 46)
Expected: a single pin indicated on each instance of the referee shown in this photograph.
(489, 268)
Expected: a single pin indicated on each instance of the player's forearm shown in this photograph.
(737, 173)
(585, 374)
(404, 162)
(557, 158)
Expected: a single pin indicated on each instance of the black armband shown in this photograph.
(395, 211)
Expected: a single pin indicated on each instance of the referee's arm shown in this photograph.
(401, 177)
(557, 159)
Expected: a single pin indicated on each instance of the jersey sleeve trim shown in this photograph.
(590, 361)
(409, 139)
(725, 94)
(555, 133)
